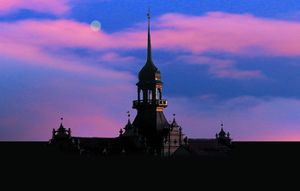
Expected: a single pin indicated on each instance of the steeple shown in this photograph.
(129, 128)
(150, 123)
(149, 56)
(61, 127)
(128, 125)
(174, 123)
(147, 73)
(61, 132)
(223, 137)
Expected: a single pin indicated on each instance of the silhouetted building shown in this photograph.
(150, 121)
(150, 132)
(61, 137)
(61, 134)
(223, 137)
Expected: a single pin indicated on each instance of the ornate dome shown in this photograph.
(148, 72)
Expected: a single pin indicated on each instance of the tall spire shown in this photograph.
(149, 56)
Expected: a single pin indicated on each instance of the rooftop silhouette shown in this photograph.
(150, 132)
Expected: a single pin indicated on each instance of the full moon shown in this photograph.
(95, 25)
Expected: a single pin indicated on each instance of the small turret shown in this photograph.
(223, 137)
(174, 138)
(62, 138)
(61, 133)
(130, 130)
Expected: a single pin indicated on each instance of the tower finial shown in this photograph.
(222, 125)
(128, 114)
(149, 56)
(174, 120)
(61, 122)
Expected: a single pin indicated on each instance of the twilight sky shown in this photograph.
(236, 61)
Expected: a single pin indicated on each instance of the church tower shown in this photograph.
(150, 120)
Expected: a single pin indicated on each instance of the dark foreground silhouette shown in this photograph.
(248, 161)
(241, 151)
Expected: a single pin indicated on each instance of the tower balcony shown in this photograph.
(156, 103)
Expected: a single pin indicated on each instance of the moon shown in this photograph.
(95, 25)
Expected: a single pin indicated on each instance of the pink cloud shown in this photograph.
(33, 55)
(246, 118)
(237, 74)
(114, 57)
(97, 124)
(56, 7)
(54, 34)
(233, 33)
(222, 68)
(40, 41)
(215, 31)
(89, 109)
(224, 32)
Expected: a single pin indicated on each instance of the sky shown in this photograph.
(230, 61)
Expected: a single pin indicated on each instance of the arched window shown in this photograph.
(150, 95)
(157, 94)
(139, 94)
(159, 91)
(145, 95)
